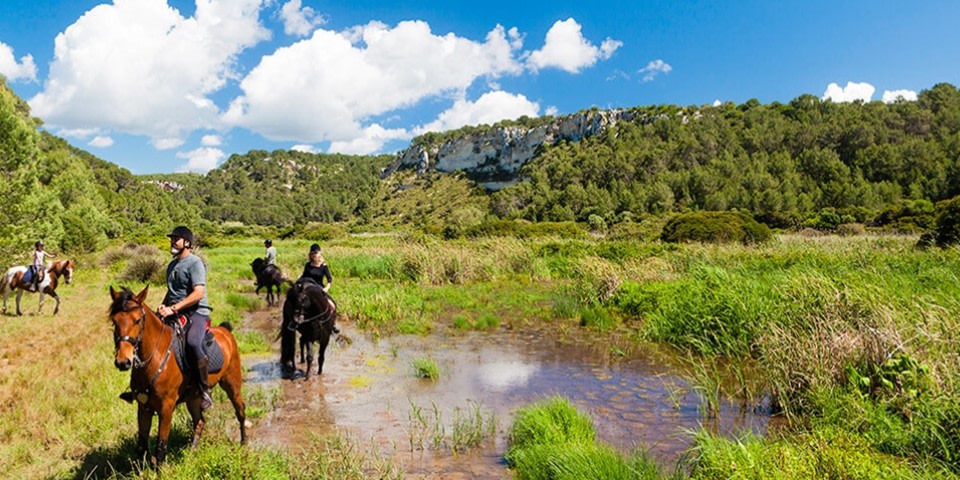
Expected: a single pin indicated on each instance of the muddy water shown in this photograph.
(368, 390)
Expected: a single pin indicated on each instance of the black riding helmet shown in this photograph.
(184, 233)
(268, 242)
(38, 244)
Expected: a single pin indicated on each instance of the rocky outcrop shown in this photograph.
(493, 157)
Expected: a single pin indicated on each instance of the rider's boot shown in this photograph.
(205, 401)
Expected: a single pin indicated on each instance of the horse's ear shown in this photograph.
(143, 294)
(113, 293)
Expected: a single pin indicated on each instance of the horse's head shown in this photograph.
(129, 317)
(307, 295)
(257, 265)
(67, 267)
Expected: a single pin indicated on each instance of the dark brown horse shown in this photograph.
(269, 277)
(310, 311)
(13, 280)
(145, 344)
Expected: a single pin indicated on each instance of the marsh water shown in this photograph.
(638, 401)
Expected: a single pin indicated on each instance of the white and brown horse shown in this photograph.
(13, 280)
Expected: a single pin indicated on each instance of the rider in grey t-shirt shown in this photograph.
(182, 275)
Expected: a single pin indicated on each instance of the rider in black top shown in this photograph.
(317, 270)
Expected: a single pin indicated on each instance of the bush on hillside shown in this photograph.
(948, 223)
(715, 227)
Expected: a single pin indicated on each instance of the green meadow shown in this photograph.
(852, 341)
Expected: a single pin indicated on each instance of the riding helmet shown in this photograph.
(182, 232)
(38, 244)
(268, 242)
(314, 248)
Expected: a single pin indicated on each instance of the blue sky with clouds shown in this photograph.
(179, 85)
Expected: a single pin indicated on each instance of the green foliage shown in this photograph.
(948, 223)
(552, 421)
(717, 227)
(426, 368)
(551, 439)
(145, 269)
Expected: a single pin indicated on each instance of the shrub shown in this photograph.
(320, 231)
(426, 368)
(648, 230)
(146, 269)
(948, 223)
(716, 227)
(851, 229)
(549, 422)
(596, 222)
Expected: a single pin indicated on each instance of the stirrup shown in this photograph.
(292, 326)
(336, 330)
(206, 403)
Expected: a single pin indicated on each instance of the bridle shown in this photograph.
(298, 313)
(135, 342)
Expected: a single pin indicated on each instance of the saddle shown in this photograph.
(210, 346)
(28, 275)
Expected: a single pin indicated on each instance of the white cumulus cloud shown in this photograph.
(324, 87)
(566, 48)
(25, 69)
(210, 141)
(299, 21)
(890, 96)
(101, 141)
(304, 148)
(371, 140)
(490, 108)
(654, 68)
(853, 91)
(139, 67)
(201, 160)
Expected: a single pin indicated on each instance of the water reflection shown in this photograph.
(369, 390)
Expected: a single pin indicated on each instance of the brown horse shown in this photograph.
(145, 344)
(13, 280)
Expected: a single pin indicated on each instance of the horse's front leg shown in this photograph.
(165, 419)
(322, 351)
(196, 413)
(144, 422)
(19, 294)
(41, 301)
(57, 298)
(309, 359)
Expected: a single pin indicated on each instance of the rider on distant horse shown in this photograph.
(270, 259)
(38, 263)
(187, 295)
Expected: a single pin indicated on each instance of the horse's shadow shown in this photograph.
(120, 460)
(272, 371)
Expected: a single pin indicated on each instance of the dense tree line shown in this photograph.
(783, 162)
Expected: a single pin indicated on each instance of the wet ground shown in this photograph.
(369, 391)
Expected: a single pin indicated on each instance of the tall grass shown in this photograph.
(551, 439)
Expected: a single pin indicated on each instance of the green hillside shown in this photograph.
(805, 163)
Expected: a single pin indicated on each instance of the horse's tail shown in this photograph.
(3, 282)
(227, 326)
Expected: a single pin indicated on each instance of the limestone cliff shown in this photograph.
(493, 157)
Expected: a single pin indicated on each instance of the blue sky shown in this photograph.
(164, 86)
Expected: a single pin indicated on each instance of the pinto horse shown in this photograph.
(13, 280)
(269, 277)
(143, 346)
(310, 311)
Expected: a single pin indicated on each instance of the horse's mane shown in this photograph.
(125, 295)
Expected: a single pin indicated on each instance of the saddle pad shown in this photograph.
(210, 347)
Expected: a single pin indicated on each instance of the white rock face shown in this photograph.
(498, 154)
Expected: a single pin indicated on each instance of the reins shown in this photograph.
(136, 342)
(326, 311)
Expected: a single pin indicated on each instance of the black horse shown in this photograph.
(310, 311)
(269, 277)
